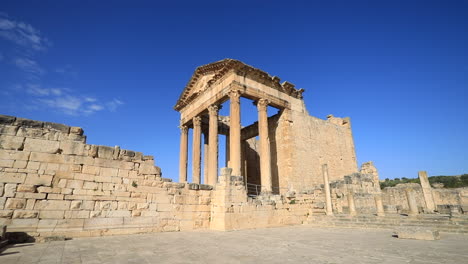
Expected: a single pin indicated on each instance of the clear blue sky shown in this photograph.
(399, 69)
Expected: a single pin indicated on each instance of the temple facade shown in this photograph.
(277, 154)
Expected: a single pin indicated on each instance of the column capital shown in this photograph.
(234, 95)
(213, 109)
(197, 121)
(183, 128)
(262, 104)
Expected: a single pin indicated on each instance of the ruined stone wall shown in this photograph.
(303, 143)
(52, 182)
(395, 198)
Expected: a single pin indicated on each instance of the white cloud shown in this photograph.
(22, 34)
(112, 105)
(29, 66)
(65, 100)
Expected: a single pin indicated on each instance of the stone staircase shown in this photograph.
(442, 223)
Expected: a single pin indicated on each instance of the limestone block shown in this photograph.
(14, 155)
(45, 214)
(15, 203)
(6, 163)
(35, 179)
(11, 142)
(43, 189)
(54, 196)
(2, 188)
(72, 147)
(41, 145)
(68, 225)
(109, 172)
(26, 188)
(148, 169)
(76, 130)
(105, 152)
(8, 130)
(98, 223)
(52, 205)
(2, 202)
(67, 191)
(20, 164)
(30, 204)
(30, 195)
(106, 205)
(25, 214)
(76, 205)
(89, 169)
(90, 185)
(83, 176)
(103, 179)
(419, 233)
(121, 213)
(33, 165)
(10, 189)
(46, 225)
(77, 214)
(142, 205)
(6, 213)
(12, 177)
(75, 184)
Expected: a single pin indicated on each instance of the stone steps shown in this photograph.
(441, 223)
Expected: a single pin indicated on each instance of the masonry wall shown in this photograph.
(52, 182)
(302, 143)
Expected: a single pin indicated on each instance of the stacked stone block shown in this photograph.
(52, 182)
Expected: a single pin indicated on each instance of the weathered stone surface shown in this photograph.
(105, 152)
(41, 145)
(417, 233)
(56, 126)
(76, 130)
(11, 142)
(23, 122)
(72, 148)
(10, 189)
(15, 203)
(25, 214)
(7, 120)
(26, 188)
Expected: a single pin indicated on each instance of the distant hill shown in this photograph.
(447, 181)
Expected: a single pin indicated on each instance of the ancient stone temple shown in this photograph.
(288, 168)
(291, 145)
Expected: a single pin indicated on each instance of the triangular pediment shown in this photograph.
(204, 76)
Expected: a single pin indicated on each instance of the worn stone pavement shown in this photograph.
(299, 244)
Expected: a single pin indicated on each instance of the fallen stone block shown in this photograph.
(418, 233)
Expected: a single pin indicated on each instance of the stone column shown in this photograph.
(213, 145)
(413, 206)
(227, 151)
(206, 155)
(427, 191)
(379, 205)
(183, 153)
(196, 150)
(235, 133)
(326, 184)
(351, 205)
(265, 155)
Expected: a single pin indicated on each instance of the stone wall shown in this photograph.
(52, 182)
(303, 143)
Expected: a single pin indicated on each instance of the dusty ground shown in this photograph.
(298, 244)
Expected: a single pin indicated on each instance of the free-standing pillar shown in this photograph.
(265, 155)
(213, 145)
(196, 150)
(205, 157)
(413, 206)
(427, 191)
(183, 153)
(379, 205)
(326, 184)
(235, 133)
(351, 205)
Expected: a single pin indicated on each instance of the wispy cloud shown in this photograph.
(114, 104)
(29, 66)
(65, 100)
(22, 34)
